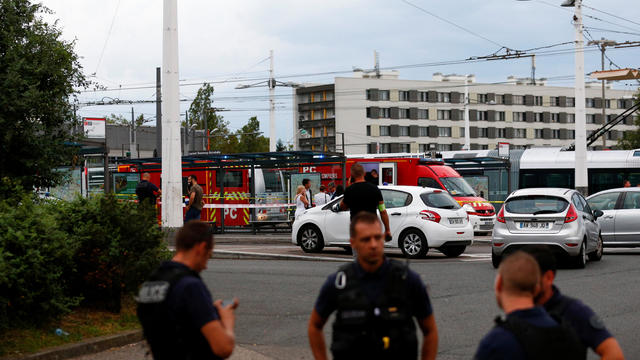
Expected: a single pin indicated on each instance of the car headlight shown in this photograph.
(468, 208)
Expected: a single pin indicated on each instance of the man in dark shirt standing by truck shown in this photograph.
(194, 208)
(364, 196)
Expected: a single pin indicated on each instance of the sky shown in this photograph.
(227, 43)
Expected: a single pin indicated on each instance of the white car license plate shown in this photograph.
(455, 221)
(535, 225)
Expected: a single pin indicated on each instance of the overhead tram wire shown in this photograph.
(106, 41)
(612, 31)
(590, 16)
(610, 14)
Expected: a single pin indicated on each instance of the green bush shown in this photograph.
(36, 260)
(119, 243)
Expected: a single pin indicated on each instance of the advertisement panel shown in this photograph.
(125, 184)
(94, 128)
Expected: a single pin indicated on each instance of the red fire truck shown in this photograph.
(417, 171)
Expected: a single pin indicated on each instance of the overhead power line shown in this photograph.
(612, 31)
(113, 20)
(610, 14)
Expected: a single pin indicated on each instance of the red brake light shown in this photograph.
(430, 215)
(500, 217)
(572, 215)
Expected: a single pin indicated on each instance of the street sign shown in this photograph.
(503, 149)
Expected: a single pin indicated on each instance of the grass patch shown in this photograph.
(82, 323)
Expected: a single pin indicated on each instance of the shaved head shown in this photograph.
(520, 274)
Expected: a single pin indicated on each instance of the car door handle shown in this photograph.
(608, 216)
(396, 214)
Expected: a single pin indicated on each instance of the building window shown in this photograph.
(484, 147)
(444, 114)
(571, 118)
(385, 130)
(444, 131)
(518, 100)
(481, 115)
(403, 113)
(423, 114)
(591, 118)
(385, 113)
(537, 117)
(620, 103)
(538, 133)
(499, 99)
(403, 131)
(499, 116)
(383, 94)
(607, 103)
(403, 95)
(518, 116)
(482, 98)
(501, 133)
(368, 130)
(462, 131)
(405, 148)
(589, 102)
(555, 117)
(444, 97)
(555, 134)
(571, 102)
(537, 100)
(423, 96)
(553, 101)
(423, 147)
(443, 147)
(483, 132)
(520, 133)
(385, 148)
(424, 131)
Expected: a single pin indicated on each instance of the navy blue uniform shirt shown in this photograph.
(583, 320)
(327, 301)
(501, 344)
(192, 307)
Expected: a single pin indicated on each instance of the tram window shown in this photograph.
(232, 179)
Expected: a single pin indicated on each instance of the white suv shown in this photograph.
(420, 218)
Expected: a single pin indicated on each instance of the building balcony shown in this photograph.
(330, 122)
(317, 105)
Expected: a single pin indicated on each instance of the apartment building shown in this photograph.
(380, 113)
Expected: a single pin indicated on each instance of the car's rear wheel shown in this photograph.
(310, 239)
(495, 260)
(580, 261)
(452, 250)
(413, 244)
(596, 255)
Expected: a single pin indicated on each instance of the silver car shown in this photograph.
(620, 223)
(559, 218)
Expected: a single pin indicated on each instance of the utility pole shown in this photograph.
(602, 44)
(158, 112)
(171, 164)
(467, 136)
(376, 64)
(533, 69)
(132, 137)
(581, 177)
(272, 106)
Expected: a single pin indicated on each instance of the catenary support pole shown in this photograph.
(158, 113)
(581, 181)
(171, 165)
(272, 107)
(467, 136)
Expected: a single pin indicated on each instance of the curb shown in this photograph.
(226, 254)
(84, 347)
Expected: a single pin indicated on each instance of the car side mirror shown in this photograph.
(336, 207)
(597, 213)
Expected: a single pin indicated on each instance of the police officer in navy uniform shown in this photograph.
(178, 316)
(375, 300)
(528, 332)
(590, 329)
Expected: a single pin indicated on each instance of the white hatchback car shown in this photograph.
(420, 218)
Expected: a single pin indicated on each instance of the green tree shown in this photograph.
(250, 138)
(201, 108)
(280, 146)
(39, 72)
(631, 139)
(119, 119)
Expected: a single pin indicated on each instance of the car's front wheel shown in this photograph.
(452, 250)
(596, 255)
(310, 239)
(413, 244)
(580, 261)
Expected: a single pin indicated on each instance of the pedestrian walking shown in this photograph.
(178, 316)
(307, 187)
(194, 207)
(376, 300)
(146, 190)
(301, 201)
(322, 197)
(587, 324)
(527, 331)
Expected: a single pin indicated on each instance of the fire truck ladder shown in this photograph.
(607, 126)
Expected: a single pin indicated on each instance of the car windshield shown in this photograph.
(536, 204)
(457, 186)
(440, 200)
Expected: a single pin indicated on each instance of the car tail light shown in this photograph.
(430, 215)
(572, 215)
(500, 217)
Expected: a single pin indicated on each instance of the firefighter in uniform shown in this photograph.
(178, 316)
(375, 300)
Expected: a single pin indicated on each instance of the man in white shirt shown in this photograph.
(322, 197)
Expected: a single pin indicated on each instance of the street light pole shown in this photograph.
(467, 136)
(272, 106)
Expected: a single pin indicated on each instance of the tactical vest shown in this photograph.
(382, 329)
(163, 333)
(545, 343)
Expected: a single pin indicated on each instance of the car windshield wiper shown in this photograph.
(545, 212)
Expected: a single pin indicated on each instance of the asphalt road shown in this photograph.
(276, 297)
